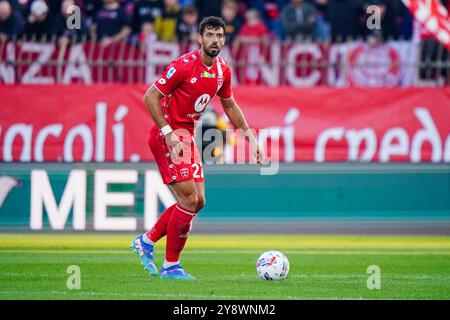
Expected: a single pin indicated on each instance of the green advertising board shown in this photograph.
(129, 197)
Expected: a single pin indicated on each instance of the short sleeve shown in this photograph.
(225, 91)
(171, 79)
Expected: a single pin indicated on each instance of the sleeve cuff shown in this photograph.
(154, 84)
(226, 98)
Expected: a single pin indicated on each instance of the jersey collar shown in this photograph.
(200, 57)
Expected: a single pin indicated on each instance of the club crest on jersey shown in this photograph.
(194, 80)
(206, 74)
(201, 102)
(170, 73)
(184, 172)
(162, 81)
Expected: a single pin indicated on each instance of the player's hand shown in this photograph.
(260, 155)
(175, 145)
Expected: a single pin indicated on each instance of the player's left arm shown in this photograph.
(237, 119)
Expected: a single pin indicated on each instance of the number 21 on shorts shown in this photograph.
(198, 170)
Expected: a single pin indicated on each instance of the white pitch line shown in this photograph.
(206, 297)
(294, 276)
(115, 294)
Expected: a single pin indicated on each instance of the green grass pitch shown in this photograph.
(34, 266)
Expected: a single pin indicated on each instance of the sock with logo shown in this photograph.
(177, 232)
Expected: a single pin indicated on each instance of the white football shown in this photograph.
(272, 265)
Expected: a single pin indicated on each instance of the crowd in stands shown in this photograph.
(137, 21)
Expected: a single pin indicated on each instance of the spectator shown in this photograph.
(11, 21)
(91, 7)
(166, 23)
(271, 14)
(23, 6)
(144, 15)
(344, 18)
(254, 35)
(254, 30)
(187, 28)
(185, 3)
(233, 21)
(60, 29)
(298, 19)
(111, 23)
(208, 8)
(322, 30)
(39, 24)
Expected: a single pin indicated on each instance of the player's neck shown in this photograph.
(207, 60)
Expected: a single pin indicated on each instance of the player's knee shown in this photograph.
(190, 202)
(200, 203)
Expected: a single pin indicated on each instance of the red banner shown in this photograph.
(110, 123)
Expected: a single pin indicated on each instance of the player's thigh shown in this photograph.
(185, 193)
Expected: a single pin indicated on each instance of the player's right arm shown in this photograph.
(152, 100)
(169, 81)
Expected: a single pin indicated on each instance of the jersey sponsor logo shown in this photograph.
(170, 73)
(206, 74)
(193, 115)
(194, 80)
(201, 102)
(162, 81)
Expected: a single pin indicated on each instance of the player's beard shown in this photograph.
(212, 54)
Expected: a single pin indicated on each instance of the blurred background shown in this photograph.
(354, 92)
(116, 36)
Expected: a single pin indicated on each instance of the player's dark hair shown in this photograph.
(211, 23)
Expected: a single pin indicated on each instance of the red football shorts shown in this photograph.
(186, 168)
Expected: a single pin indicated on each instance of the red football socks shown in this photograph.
(159, 230)
(177, 232)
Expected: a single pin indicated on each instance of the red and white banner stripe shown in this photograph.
(433, 16)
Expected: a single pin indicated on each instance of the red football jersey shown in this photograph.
(189, 85)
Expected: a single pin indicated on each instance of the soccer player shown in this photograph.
(175, 101)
